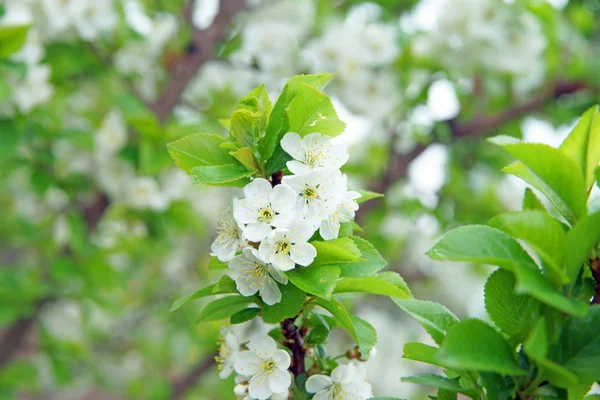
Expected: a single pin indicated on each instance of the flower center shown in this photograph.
(268, 366)
(336, 392)
(313, 157)
(224, 352)
(265, 214)
(283, 247)
(227, 228)
(258, 272)
(310, 193)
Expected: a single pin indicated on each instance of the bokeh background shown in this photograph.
(99, 233)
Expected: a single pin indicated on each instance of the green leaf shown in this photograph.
(442, 383)
(386, 284)
(317, 280)
(536, 348)
(361, 331)
(224, 308)
(434, 317)
(225, 285)
(139, 116)
(421, 352)
(509, 311)
(278, 161)
(367, 195)
(197, 150)
(278, 121)
(232, 174)
(337, 250)
(356, 269)
(474, 345)
(531, 201)
(580, 241)
(292, 301)
(554, 174)
(542, 232)
(246, 126)
(12, 38)
(243, 316)
(583, 144)
(246, 158)
(257, 100)
(312, 111)
(580, 346)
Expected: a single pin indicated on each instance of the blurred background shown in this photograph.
(99, 233)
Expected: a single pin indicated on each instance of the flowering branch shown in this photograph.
(295, 342)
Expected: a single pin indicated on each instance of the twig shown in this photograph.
(595, 268)
(294, 342)
(181, 386)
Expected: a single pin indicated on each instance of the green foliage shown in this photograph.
(319, 280)
(435, 318)
(12, 38)
(442, 383)
(226, 285)
(386, 284)
(356, 269)
(221, 174)
(224, 308)
(312, 111)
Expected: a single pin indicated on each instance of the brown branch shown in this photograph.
(182, 385)
(295, 342)
(200, 50)
(397, 167)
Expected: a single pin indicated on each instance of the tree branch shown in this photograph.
(182, 385)
(295, 342)
(397, 167)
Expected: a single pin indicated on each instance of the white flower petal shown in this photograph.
(343, 374)
(295, 182)
(257, 231)
(279, 380)
(283, 198)
(298, 168)
(278, 275)
(330, 227)
(264, 346)
(258, 191)
(270, 292)
(303, 253)
(316, 383)
(300, 231)
(282, 359)
(247, 363)
(259, 387)
(292, 144)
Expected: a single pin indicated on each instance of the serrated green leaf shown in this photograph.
(554, 174)
(246, 126)
(292, 301)
(12, 38)
(531, 201)
(542, 232)
(386, 284)
(421, 352)
(474, 345)
(312, 111)
(278, 161)
(508, 310)
(246, 158)
(580, 241)
(224, 286)
(434, 317)
(257, 100)
(199, 149)
(374, 261)
(441, 382)
(361, 331)
(366, 195)
(583, 144)
(243, 316)
(226, 174)
(335, 251)
(224, 308)
(317, 280)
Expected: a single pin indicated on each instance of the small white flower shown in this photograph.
(264, 207)
(286, 247)
(252, 275)
(143, 192)
(112, 135)
(229, 348)
(319, 193)
(347, 382)
(266, 366)
(313, 151)
(227, 242)
(330, 227)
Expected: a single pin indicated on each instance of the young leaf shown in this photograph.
(583, 144)
(361, 331)
(387, 284)
(246, 158)
(312, 111)
(246, 126)
(542, 232)
(374, 261)
(232, 174)
(553, 173)
(224, 308)
(474, 345)
(225, 285)
(434, 317)
(508, 310)
(536, 348)
(292, 301)
(442, 383)
(366, 195)
(243, 316)
(257, 100)
(199, 149)
(317, 280)
(337, 250)
(580, 241)
(12, 38)
(531, 201)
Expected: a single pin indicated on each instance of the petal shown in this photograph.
(265, 249)
(282, 262)
(258, 191)
(342, 374)
(270, 292)
(225, 371)
(257, 231)
(330, 228)
(295, 182)
(316, 383)
(244, 212)
(279, 380)
(300, 231)
(303, 253)
(246, 285)
(282, 359)
(298, 168)
(259, 387)
(338, 156)
(247, 363)
(292, 144)
(324, 395)
(278, 275)
(224, 249)
(283, 198)
(263, 345)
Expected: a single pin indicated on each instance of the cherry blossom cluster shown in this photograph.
(271, 226)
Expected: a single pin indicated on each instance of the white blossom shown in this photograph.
(286, 247)
(264, 207)
(347, 382)
(313, 151)
(112, 134)
(143, 192)
(252, 275)
(229, 347)
(227, 243)
(266, 365)
(330, 227)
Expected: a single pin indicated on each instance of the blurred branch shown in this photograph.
(397, 167)
(186, 382)
(199, 50)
